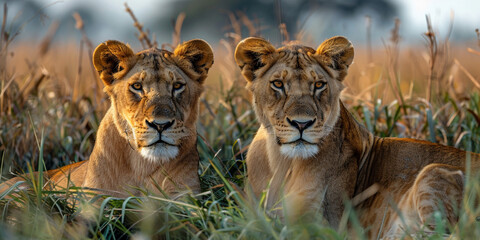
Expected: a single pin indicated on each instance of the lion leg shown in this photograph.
(438, 187)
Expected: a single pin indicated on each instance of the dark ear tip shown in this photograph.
(198, 44)
(109, 42)
(256, 39)
(250, 47)
(199, 54)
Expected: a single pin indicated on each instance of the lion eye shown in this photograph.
(320, 85)
(178, 85)
(137, 86)
(278, 84)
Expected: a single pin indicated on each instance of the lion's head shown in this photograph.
(296, 89)
(154, 94)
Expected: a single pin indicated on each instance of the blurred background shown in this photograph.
(211, 19)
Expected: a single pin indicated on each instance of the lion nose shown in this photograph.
(301, 125)
(160, 126)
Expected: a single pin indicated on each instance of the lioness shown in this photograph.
(311, 148)
(148, 135)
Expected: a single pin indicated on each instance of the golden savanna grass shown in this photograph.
(51, 103)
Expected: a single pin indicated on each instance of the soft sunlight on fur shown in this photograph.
(51, 93)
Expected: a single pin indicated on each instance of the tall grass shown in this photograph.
(50, 112)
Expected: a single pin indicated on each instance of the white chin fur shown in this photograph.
(298, 150)
(159, 152)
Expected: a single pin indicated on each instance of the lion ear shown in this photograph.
(199, 58)
(337, 54)
(253, 53)
(110, 57)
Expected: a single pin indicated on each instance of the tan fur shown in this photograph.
(128, 153)
(311, 150)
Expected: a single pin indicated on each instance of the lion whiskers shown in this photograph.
(305, 150)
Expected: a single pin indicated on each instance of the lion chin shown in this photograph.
(160, 152)
(301, 149)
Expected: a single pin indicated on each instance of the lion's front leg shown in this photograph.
(307, 200)
(175, 179)
(305, 204)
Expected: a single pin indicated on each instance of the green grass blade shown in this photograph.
(431, 125)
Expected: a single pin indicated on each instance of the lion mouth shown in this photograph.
(299, 148)
(299, 141)
(160, 150)
(160, 141)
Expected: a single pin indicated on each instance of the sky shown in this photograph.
(466, 14)
(112, 22)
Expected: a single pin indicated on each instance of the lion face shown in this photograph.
(154, 94)
(296, 90)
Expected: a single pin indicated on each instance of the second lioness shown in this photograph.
(311, 148)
